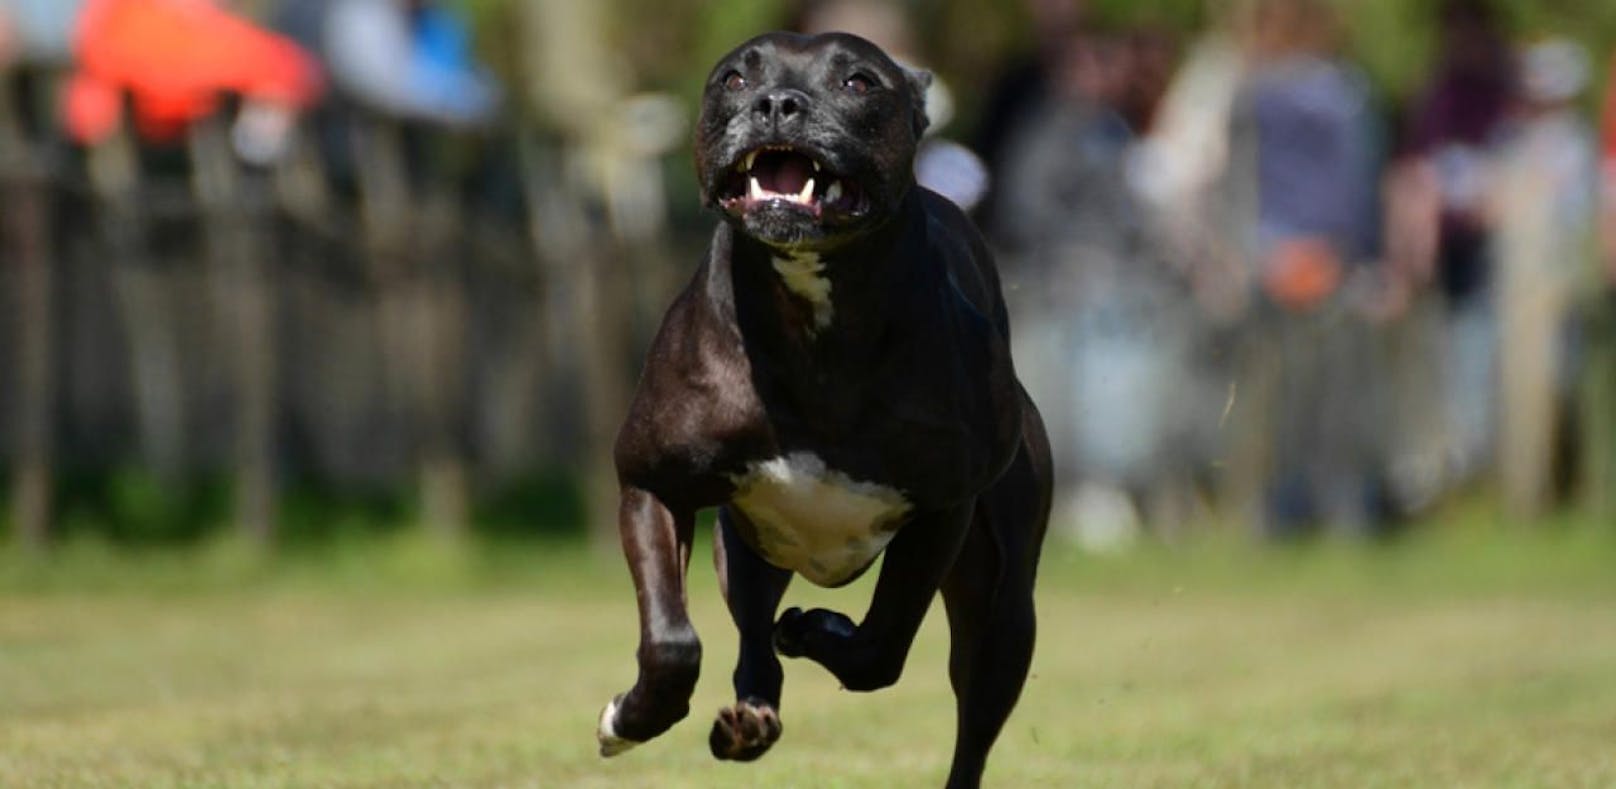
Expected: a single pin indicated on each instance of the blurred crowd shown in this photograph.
(321, 240)
(1245, 278)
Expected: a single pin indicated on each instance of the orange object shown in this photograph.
(1302, 273)
(176, 58)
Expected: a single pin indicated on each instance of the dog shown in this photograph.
(836, 379)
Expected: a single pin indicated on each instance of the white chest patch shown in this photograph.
(804, 275)
(814, 520)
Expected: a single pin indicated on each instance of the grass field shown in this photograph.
(1443, 661)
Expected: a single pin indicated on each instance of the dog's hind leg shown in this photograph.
(870, 655)
(991, 623)
(752, 587)
(991, 619)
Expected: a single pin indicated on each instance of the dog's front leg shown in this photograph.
(870, 655)
(656, 542)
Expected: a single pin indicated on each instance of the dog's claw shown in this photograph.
(611, 744)
(745, 731)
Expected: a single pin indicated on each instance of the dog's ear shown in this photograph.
(919, 83)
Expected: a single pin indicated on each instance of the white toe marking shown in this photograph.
(606, 733)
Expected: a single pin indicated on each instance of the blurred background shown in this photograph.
(295, 268)
(318, 317)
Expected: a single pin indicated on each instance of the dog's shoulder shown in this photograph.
(694, 402)
(968, 261)
(990, 403)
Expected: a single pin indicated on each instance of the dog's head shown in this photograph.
(806, 142)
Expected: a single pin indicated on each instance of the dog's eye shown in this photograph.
(860, 83)
(734, 81)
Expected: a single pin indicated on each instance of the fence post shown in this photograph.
(417, 329)
(27, 229)
(244, 292)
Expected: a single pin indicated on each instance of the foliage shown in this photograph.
(133, 508)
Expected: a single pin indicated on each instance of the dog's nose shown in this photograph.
(781, 106)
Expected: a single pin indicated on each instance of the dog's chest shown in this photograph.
(814, 520)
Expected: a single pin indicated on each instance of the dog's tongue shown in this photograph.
(790, 176)
(787, 173)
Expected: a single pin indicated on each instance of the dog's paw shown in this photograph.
(798, 631)
(745, 731)
(606, 732)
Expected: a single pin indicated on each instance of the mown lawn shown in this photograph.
(1445, 661)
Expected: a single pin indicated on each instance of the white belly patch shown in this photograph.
(816, 521)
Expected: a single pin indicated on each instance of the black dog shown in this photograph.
(837, 379)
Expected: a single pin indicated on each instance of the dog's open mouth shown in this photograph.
(779, 176)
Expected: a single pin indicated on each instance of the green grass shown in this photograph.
(1453, 659)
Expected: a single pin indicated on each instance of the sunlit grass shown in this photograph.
(1476, 656)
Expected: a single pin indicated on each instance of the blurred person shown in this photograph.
(1308, 111)
(1065, 146)
(1453, 143)
(1181, 165)
(1106, 335)
(1196, 178)
(403, 61)
(176, 58)
(407, 58)
(1152, 58)
(1305, 121)
(38, 31)
(1599, 384)
(1023, 85)
(1543, 207)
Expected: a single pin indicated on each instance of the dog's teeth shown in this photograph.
(816, 165)
(754, 189)
(834, 193)
(807, 194)
(746, 164)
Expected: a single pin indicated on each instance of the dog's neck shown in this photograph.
(828, 297)
(803, 274)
